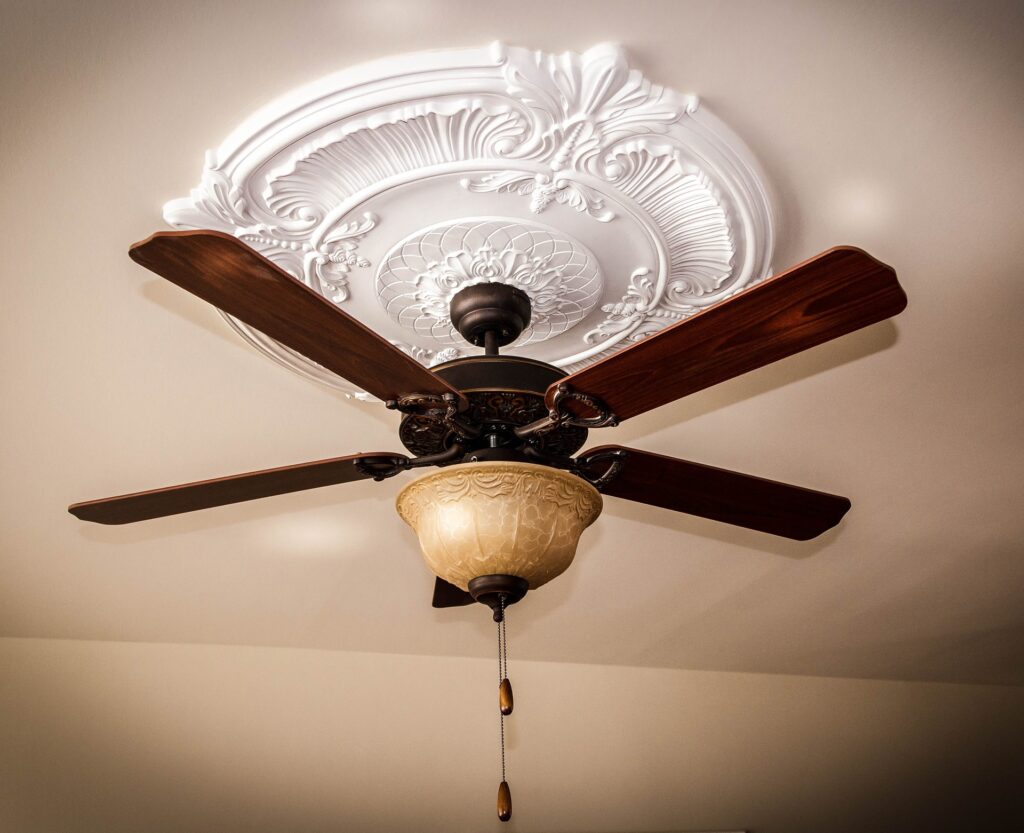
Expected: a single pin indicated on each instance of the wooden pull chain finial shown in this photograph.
(504, 709)
(505, 697)
(504, 801)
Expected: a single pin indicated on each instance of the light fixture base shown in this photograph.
(489, 590)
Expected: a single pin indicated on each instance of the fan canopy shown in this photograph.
(499, 518)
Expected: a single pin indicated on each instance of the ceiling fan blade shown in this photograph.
(721, 495)
(830, 295)
(204, 494)
(222, 270)
(448, 595)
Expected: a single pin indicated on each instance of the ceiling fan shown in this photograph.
(513, 493)
(495, 407)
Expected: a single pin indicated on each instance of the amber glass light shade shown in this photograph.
(499, 518)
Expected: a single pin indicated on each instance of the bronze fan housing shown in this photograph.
(502, 393)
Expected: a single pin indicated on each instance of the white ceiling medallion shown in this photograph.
(617, 205)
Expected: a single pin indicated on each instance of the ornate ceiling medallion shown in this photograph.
(618, 205)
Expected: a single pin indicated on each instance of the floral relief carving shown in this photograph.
(542, 190)
(536, 275)
(420, 276)
(338, 253)
(638, 313)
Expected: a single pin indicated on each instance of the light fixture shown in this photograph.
(499, 518)
(497, 528)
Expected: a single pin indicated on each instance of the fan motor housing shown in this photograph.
(504, 393)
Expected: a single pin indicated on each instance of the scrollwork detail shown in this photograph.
(542, 190)
(332, 261)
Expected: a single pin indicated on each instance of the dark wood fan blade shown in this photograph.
(448, 595)
(835, 293)
(204, 494)
(223, 271)
(721, 495)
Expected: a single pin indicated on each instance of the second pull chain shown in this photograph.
(504, 709)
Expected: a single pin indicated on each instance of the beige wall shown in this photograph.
(98, 736)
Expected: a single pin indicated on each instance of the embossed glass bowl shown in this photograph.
(499, 518)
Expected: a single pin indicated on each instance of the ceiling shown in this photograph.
(894, 127)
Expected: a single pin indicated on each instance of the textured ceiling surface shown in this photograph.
(894, 127)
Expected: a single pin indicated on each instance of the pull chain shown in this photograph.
(502, 672)
(504, 708)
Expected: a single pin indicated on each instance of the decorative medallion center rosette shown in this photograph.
(419, 277)
(390, 186)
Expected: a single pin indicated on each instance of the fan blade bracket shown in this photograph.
(567, 406)
(616, 459)
(381, 467)
(444, 409)
(567, 402)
